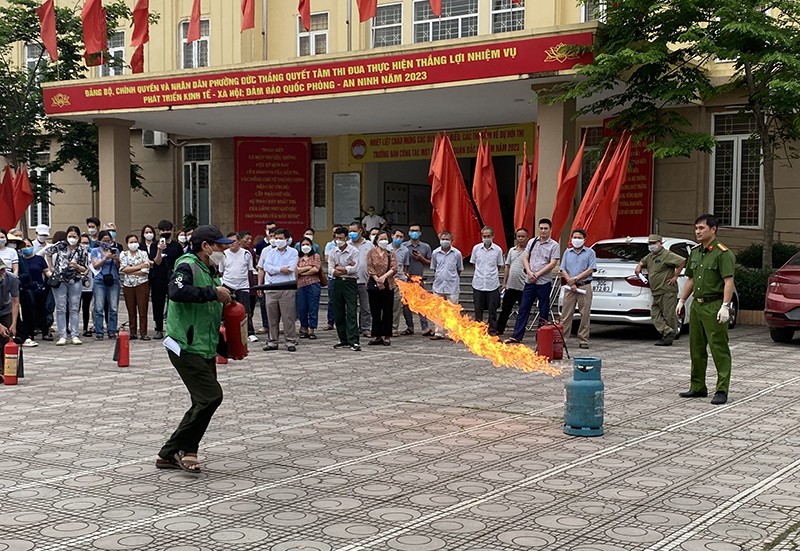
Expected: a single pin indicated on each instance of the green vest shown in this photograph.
(195, 325)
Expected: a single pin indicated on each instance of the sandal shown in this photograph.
(165, 463)
(312, 336)
(188, 462)
(512, 340)
(407, 332)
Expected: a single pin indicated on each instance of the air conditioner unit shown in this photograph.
(154, 138)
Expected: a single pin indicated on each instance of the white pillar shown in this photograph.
(114, 154)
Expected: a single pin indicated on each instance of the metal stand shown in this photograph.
(554, 292)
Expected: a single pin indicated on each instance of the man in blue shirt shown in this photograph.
(577, 267)
(280, 265)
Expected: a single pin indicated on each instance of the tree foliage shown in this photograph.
(652, 56)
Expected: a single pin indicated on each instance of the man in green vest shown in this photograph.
(710, 277)
(196, 298)
(663, 268)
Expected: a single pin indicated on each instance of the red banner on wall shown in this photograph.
(272, 183)
(635, 210)
(416, 68)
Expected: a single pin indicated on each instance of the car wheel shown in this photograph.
(782, 334)
(734, 312)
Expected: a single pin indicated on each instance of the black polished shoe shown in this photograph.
(719, 398)
(694, 394)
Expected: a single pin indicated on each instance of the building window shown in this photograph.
(33, 59)
(39, 211)
(507, 16)
(116, 51)
(197, 182)
(459, 19)
(195, 54)
(314, 41)
(319, 173)
(387, 26)
(592, 154)
(593, 10)
(736, 176)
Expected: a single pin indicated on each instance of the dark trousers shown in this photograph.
(200, 377)
(331, 317)
(488, 301)
(345, 308)
(158, 294)
(380, 306)
(530, 294)
(243, 296)
(264, 318)
(42, 322)
(26, 327)
(510, 298)
(5, 321)
(86, 308)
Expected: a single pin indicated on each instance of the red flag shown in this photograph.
(587, 203)
(304, 7)
(530, 205)
(484, 191)
(23, 194)
(522, 190)
(567, 184)
(452, 208)
(436, 7)
(137, 60)
(367, 9)
(517, 1)
(248, 14)
(8, 217)
(603, 217)
(95, 33)
(193, 33)
(141, 23)
(47, 28)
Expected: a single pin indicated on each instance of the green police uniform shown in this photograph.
(708, 267)
(660, 269)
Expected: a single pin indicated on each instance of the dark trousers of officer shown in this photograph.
(487, 301)
(345, 309)
(706, 332)
(200, 377)
(158, 293)
(510, 298)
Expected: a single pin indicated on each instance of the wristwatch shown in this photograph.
(728, 305)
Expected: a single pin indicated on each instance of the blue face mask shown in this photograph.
(353, 236)
(414, 234)
(397, 242)
(113, 234)
(27, 251)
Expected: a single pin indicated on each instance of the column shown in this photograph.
(114, 155)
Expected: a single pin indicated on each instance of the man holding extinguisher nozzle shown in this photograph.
(196, 299)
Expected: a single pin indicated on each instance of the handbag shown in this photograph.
(54, 281)
(108, 280)
(323, 277)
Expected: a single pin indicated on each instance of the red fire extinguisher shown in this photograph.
(220, 359)
(122, 349)
(11, 350)
(544, 341)
(558, 341)
(235, 324)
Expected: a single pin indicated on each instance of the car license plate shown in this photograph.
(601, 286)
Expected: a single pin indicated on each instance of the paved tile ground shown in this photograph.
(418, 446)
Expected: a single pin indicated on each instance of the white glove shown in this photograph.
(679, 307)
(723, 315)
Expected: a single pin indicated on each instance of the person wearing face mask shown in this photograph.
(373, 221)
(105, 260)
(381, 269)
(577, 267)
(134, 265)
(663, 269)
(514, 279)
(447, 264)
(87, 291)
(42, 235)
(419, 258)
(163, 251)
(329, 246)
(343, 265)
(37, 292)
(281, 266)
(235, 271)
(183, 241)
(111, 228)
(308, 233)
(92, 229)
(8, 254)
(67, 265)
(308, 288)
(26, 303)
(401, 253)
(196, 299)
(488, 261)
(356, 236)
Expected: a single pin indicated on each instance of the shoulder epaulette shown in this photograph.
(722, 247)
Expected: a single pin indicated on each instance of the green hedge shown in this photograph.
(751, 283)
(750, 257)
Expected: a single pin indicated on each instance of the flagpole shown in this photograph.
(264, 27)
(349, 25)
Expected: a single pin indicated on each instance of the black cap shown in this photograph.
(211, 234)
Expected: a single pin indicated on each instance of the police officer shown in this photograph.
(196, 297)
(710, 276)
(663, 268)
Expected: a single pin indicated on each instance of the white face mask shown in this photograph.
(306, 249)
(149, 236)
(182, 239)
(445, 243)
(280, 243)
(340, 243)
(3, 241)
(653, 248)
(577, 242)
(217, 257)
(72, 241)
(273, 242)
(133, 247)
(41, 238)
(308, 236)
(382, 243)
(487, 241)
(92, 231)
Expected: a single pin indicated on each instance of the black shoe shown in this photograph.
(355, 347)
(341, 345)
(376, 341)
(159, 335)
(134, 337)
(719, 398)
(676, 334)
(666, 340)
(694, 394)
(270, 347)
(291, 348)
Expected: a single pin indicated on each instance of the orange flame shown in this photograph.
(472, 333)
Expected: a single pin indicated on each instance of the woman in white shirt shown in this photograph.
(134, 267)
(8, 255)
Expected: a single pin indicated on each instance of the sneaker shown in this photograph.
(252, 338)
(30, 343)
(61, 342)
(355, 347)
(341, 345)
(76, 340)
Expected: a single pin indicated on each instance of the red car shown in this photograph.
(782, 308)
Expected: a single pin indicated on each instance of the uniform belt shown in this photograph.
(708, 298)
(344, 279)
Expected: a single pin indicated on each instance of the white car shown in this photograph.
(619, 296)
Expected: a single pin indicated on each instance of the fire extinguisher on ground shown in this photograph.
(11, 352)
(550, 341)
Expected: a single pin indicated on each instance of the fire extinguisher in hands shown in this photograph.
(234, 319)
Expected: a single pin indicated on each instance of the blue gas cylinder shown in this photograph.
(584, 399)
